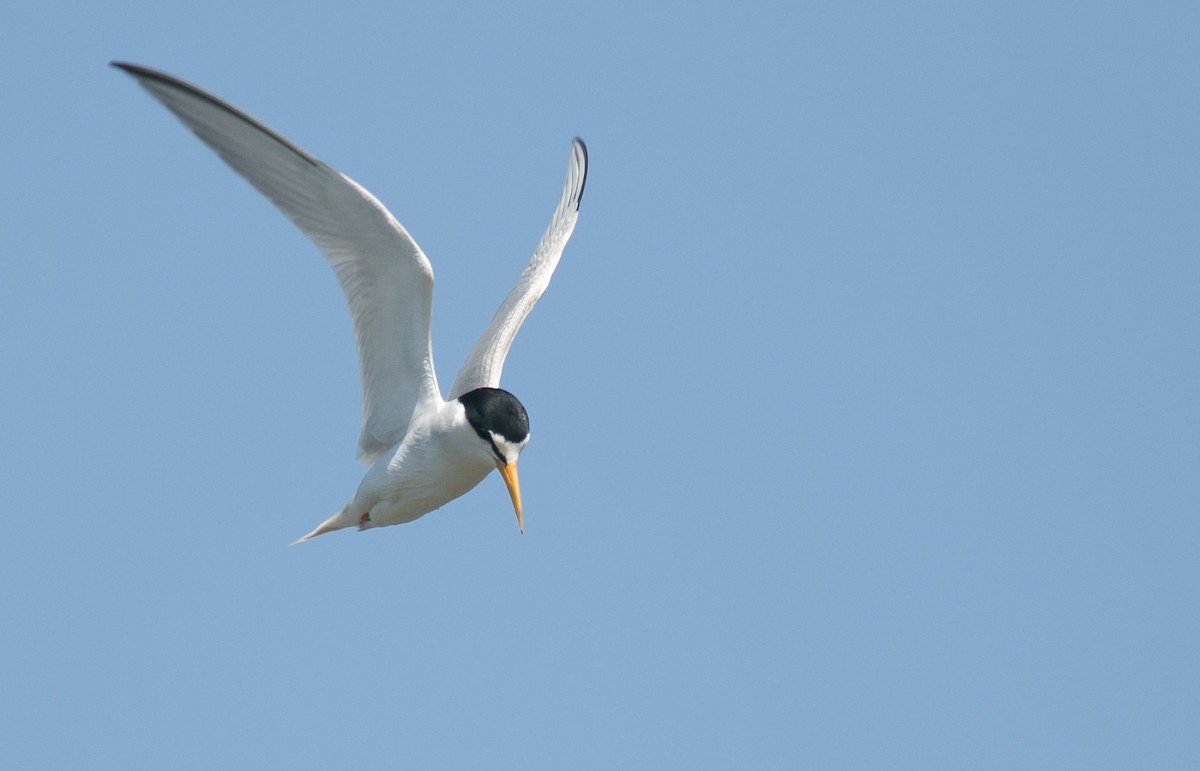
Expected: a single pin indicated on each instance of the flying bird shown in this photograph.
(423, 451)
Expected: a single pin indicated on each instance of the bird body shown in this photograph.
(439, 459)
(424, 451)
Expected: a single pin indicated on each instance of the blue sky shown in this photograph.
(864, 400)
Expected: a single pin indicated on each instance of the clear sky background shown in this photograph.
(865, 400)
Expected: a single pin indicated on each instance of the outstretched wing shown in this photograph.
(387, 280)
(486, 360)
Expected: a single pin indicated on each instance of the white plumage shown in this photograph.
(424, 451)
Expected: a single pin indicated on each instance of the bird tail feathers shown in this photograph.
(338, 521)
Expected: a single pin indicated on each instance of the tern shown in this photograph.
(423, 451)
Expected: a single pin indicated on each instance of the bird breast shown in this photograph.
(438, 460)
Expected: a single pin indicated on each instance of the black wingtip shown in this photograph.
(582, 184)
(131, 68)
(148, 74)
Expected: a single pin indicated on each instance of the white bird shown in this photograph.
(424, 451)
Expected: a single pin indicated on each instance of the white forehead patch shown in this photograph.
(510, 450)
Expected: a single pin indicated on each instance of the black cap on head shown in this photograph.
(496, 411)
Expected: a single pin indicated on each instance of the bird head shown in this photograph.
(500, 421)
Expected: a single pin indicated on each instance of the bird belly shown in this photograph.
(397, 492)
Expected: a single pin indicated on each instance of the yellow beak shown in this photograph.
(509, 472)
